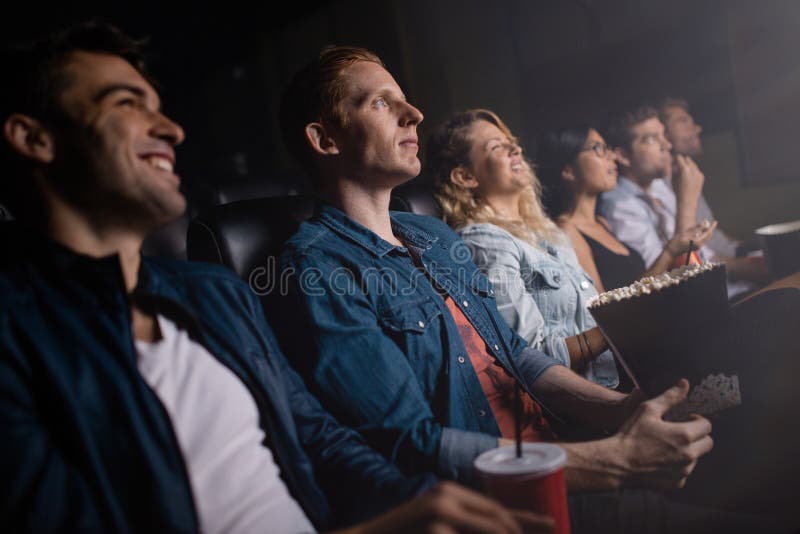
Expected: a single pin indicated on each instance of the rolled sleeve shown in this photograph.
(556, 347)
(458, 450)
(532, 363)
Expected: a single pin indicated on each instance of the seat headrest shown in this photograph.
(244, 235)
(415, 197)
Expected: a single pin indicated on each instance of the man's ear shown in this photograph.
(461, 177)
(319, 140)
(622, 156)
(28, 137)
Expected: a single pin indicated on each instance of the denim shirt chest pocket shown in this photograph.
(414, 325)
(553, 291)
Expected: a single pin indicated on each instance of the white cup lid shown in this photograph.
(537, 459)
(780, 228)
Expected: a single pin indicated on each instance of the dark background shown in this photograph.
(536, 63)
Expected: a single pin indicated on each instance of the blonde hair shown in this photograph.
(448, 148)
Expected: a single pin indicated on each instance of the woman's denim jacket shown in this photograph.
(541, 292)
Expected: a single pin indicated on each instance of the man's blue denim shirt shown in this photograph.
(375, 341)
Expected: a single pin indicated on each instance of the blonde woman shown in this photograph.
(490, 195)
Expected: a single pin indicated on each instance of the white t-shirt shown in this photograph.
(235, 481)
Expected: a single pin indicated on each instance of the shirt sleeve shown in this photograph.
(630, 223)
(363, 378)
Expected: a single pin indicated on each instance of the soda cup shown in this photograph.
(533, 482)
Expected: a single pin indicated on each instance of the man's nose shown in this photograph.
(411, 115)
(167, 129)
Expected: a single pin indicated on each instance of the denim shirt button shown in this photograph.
(584, 284)
(466, 304)
(482, 413)
(496, 347)
(421, 324)
(461, 359)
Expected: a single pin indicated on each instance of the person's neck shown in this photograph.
(368, 207)
(584, 210)
(506, 206)
(85, 236)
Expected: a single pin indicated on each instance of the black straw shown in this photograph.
(689, 254)
(518, 419)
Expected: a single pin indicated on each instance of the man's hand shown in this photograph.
(699, 234)
(660, 454)
(450, 508)
(687, 180)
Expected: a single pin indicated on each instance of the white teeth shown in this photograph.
(160, 163)
(516, 168)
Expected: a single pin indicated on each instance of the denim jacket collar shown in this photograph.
(96, 273)
(339, 222)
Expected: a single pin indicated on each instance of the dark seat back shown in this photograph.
(244, 235)
(415, 197)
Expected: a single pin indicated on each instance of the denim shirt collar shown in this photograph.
(339, 222)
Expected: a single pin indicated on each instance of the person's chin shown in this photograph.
(170, 207)
(414, 169)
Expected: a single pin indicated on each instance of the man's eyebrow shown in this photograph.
(138, 91)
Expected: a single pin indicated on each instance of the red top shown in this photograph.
(498, 386)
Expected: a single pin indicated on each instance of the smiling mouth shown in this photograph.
(160, 162)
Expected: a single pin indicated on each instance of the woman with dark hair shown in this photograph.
(490, 195)
(576, 166)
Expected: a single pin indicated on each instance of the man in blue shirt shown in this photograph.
(366, 321)
(119, 374)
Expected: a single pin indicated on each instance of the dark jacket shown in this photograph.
(87, 445)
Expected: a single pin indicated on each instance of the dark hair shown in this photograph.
(315, 94)
(557, 149)
(37, 80)
(668, 104)
(619, 131)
